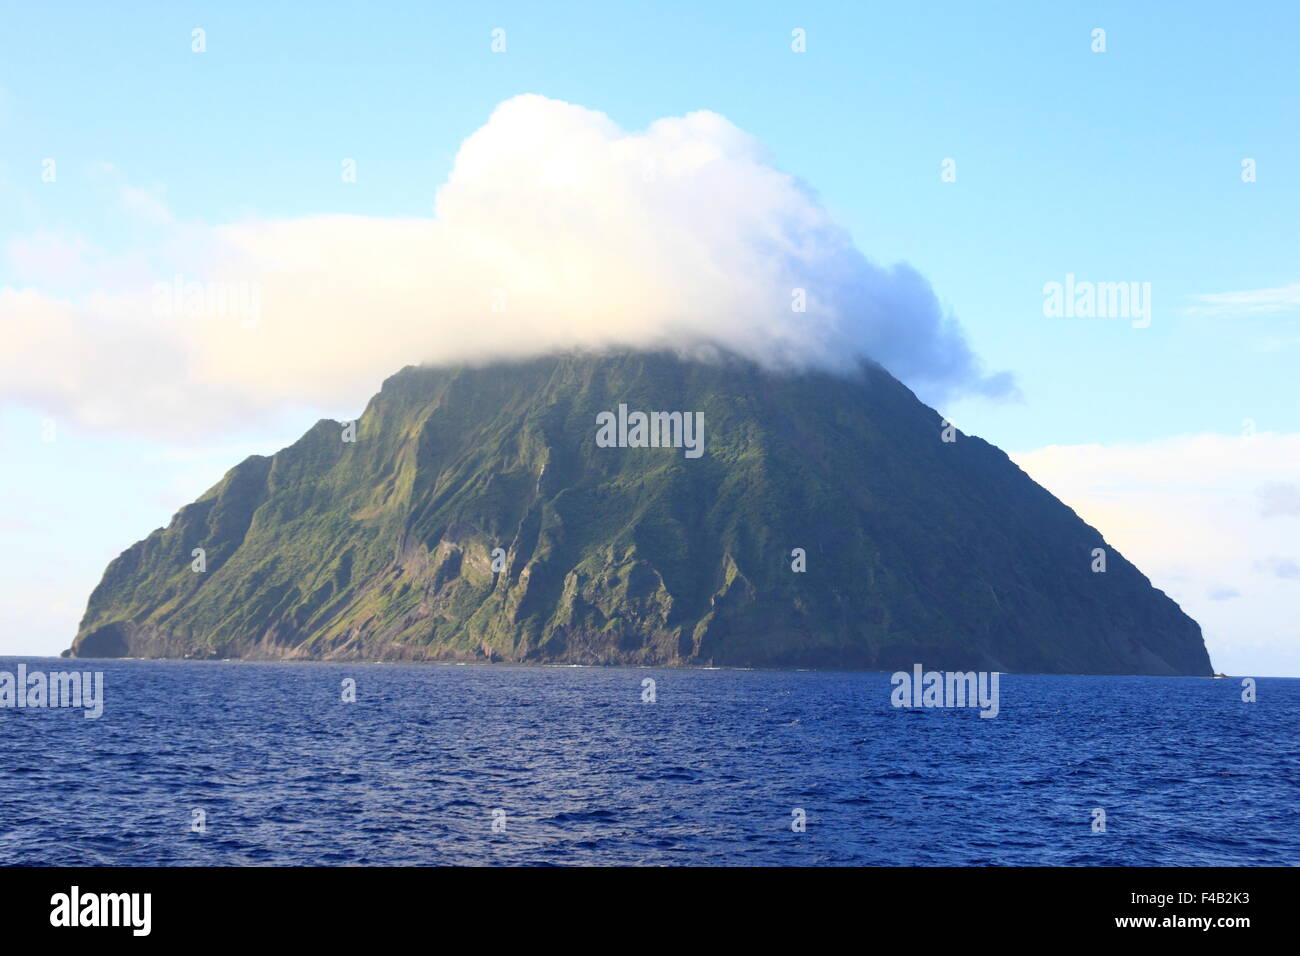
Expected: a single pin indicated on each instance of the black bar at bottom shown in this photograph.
(331, 905)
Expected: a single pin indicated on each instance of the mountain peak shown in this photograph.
(554, 509)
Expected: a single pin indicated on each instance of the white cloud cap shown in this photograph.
(554, 230)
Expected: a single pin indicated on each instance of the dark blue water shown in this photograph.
(586, 773)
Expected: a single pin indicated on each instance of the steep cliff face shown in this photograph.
(915, 549)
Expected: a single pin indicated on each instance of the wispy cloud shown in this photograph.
(148, 204)
(1197, 513)
(1276, 301)
(1283, 568)
(1279, 498)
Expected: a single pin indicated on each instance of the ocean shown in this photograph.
(239, 763)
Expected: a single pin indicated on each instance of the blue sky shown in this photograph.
(1115, 166)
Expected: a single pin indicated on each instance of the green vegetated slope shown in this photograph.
(916, 549)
